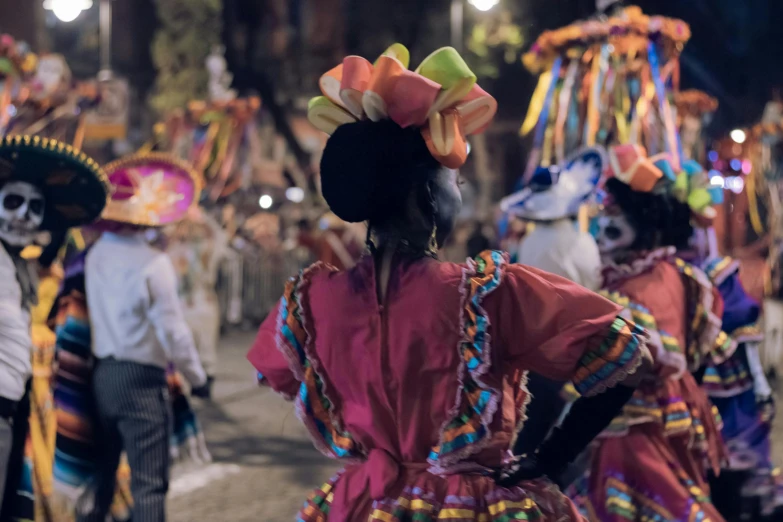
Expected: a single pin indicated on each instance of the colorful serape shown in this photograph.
(74, 463)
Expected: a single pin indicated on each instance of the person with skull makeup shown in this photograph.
(652, 462)
(552, 201)
(45, 186)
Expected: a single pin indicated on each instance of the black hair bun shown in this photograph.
(660, 219)
(368, 169)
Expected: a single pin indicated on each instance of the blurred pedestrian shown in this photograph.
(196, 249)
(138, 326)
(35, 196)
(556, 245)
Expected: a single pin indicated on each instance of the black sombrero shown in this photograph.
(74, 186)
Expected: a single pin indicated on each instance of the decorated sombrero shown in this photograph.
(557, 192)
(150, 190)
(441, 97)
(74, 187)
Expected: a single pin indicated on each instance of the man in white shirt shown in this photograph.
(556, 244)
(138, 329)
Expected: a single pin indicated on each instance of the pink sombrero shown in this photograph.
(150, 190)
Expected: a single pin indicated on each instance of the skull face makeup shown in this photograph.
(21, 212)
(615, 234)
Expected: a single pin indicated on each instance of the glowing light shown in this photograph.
(295, 194)
(717, 181)
(738, 135)
(484, 5)
(747, 166)
(735, 184)
(735, 164)
(67, 10)
(265, 201)
(712, 155)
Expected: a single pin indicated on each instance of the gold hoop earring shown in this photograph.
(432, 248)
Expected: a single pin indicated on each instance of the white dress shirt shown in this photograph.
(15, 341)
(562, 249)
(135, 313)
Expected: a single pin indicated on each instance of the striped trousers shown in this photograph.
(133, 410)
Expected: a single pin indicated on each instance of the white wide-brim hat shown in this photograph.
(576, 181)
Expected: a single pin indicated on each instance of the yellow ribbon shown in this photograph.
(536, 104)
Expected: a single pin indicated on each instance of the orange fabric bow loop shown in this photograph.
(631, 165)
(441, 97)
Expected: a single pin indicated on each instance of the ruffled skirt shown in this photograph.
(427, 497)
(644, 476)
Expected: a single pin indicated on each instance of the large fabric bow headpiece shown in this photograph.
(441, 97)
(688, 183)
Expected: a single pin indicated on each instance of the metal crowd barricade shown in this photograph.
(251, 283)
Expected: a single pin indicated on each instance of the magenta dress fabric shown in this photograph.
(421, 396)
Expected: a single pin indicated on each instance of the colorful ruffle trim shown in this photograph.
(472, 499)
(618, 355)
(728, 379)
(665, 349)
(313, 406)
(752, 333)
(467, 429)
(630, 504)
(705, 338)
(662, 402)
(720, 268)
(624, 502)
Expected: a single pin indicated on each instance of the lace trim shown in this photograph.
(719, 269)
(313, 406)
(614, 273)
(618, 356)
(705, 338)
(466, 430)
(752, 333)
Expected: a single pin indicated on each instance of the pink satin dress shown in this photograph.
(652, 462)
(421, 396)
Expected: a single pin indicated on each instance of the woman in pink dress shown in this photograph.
(652, 463)
(412, 371)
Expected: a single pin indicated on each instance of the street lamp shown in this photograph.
(738, 136)
(483, 5)
(458, 18)
(67, 10)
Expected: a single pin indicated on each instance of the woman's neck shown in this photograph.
(407, 243)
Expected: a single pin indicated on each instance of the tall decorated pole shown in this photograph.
(189, 30)
(606, 81)
(694, 111)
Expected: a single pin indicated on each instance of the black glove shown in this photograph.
(203, 392)
(587, 419)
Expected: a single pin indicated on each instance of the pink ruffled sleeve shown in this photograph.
(269, 361)
(561, 330)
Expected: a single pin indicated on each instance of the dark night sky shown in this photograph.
(735, 52)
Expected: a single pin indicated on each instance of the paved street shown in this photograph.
(264, 465)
